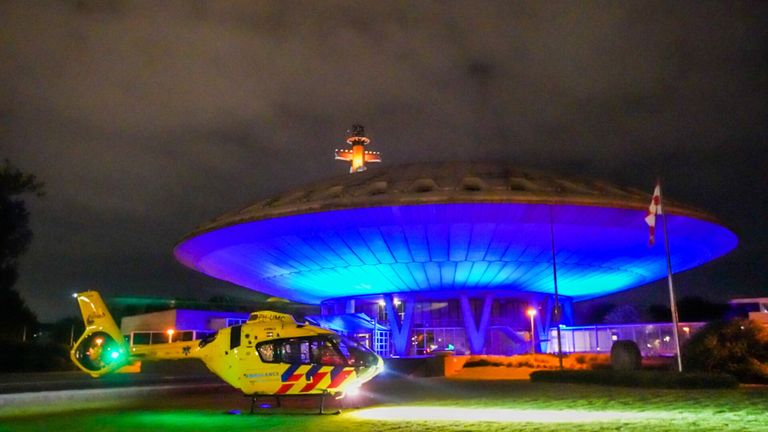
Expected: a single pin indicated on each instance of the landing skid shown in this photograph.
(279, 404)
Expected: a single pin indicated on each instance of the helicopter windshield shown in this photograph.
(326, 350)
(357, 354)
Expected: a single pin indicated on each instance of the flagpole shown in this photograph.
(672, 303)
(557, 297)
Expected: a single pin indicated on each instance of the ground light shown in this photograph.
(456, 414)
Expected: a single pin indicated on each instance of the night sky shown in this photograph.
(146, 119)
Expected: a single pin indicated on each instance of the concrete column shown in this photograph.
(349, 306)
(338, 307)
(567, 306)
(476, 333)
(544, 321)
(400, 333)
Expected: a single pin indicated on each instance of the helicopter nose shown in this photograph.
(374, 369)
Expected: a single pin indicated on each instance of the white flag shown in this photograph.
(653, 210)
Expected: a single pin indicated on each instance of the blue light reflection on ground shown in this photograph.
(311, 257)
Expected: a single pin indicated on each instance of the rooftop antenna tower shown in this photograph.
(357, 155)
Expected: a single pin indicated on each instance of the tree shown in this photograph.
(689, 309)
(738, 347)
(596, 313)
(659, 313)
(692, 309)
(624, 314)
(15, 237)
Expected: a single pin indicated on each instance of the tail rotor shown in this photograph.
(101, 349)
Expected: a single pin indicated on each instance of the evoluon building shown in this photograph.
(449, 256)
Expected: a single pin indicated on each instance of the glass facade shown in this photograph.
(161, 337)
(427, 341)
(438, 325)
(654, 339)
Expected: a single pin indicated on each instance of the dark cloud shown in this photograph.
(148, 118)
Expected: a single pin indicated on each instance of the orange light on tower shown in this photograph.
(357, 155)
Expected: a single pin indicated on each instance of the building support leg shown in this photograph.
(476, 332)
(400, 331)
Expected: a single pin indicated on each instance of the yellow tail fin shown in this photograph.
(101, 349)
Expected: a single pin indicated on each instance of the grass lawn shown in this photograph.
(428, 405)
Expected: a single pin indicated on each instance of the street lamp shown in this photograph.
(170, 334)
(532, 313)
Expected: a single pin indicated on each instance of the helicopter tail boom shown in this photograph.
(101, 349)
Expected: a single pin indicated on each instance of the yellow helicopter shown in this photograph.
(270, 354)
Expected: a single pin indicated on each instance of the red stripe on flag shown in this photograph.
(315, 381)
(653, 210)
(340, 378)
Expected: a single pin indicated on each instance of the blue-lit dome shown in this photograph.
(446, 227)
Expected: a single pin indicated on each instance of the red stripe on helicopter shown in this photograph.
(289, 377)
(295, 377)
(340, 378)
(315, 381)
(284, 388)
(286, 375)
(312, 371)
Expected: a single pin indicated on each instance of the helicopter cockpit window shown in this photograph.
(307, 350)
(266, 352)
(325, 353)
(295, 351)
(357, 355)
(326, 350)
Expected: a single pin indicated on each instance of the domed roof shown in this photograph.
(446, 182)
(449, 227)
